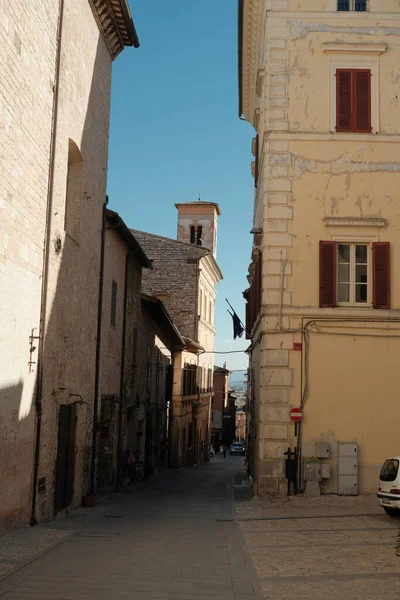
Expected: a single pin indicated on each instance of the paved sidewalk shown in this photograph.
(175, 539)
(325, 548)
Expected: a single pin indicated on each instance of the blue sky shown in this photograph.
(175, 134)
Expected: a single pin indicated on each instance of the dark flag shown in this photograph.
(238, 328)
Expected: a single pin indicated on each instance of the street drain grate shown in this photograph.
(113, 516)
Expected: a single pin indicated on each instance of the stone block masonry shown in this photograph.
(179, 293)
(28, 46)
(27, 58)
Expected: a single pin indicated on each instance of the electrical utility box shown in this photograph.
(322, 449)
(312, 471)
(347, 469)
(326, 471)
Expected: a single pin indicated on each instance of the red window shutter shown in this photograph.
(381, 274)
(327, 274)
(253, 296)
(362, 101)
(256, 161)
(257, 281)
(251, 307)
(248, 324)
(343, 100)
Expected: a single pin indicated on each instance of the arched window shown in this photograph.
(199, 233)
(73, 200)
(192, 234)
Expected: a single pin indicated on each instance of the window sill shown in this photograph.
(358, 306)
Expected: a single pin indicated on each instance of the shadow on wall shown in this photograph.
(13, 430)
(10, 401)
(74, 250)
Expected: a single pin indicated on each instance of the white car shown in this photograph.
(238, 449)
(389, 486)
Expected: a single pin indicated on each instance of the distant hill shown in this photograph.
(238, 380)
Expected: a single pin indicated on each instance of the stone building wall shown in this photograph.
(174, 278)
(28, 40)
(316, 184)
(71, 324)
(27, 31)
(148, 411)
(113, 433)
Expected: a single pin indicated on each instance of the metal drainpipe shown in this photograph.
(98, 353)
(122, 379)
(196, 303)
(196, 337)
(171, 412)
(299, 482)
(45, 264)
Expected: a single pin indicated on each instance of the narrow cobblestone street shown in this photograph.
(175, 538)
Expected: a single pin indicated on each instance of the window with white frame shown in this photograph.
(353, 5)
(353, 280)
(354, 90)
(354, 273)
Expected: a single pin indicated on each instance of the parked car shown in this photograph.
(237, 448)
(389, 486)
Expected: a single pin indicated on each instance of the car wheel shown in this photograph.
(392, 512)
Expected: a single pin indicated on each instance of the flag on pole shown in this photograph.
(238, 328)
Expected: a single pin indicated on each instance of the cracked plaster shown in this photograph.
(301, 29)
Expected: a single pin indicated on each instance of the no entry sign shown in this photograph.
(296, 414)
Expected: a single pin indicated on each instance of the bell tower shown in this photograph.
(197, 224)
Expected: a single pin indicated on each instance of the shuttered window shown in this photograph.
(113, 314)
(256, 171)
(347, 277)
(253, 297)
(327, 274)
(381, 274)
(353, 100)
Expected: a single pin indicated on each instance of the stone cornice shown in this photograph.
(214, 269)
(250, 23)
(347, 48)
(355, 222)
(116, 25)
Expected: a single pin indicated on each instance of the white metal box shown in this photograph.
(326, 471)
(322, 449)
(312, 471)
(347, 469)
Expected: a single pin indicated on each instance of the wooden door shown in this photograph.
(65, 466)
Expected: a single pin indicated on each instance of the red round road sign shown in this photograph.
(296, 414)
